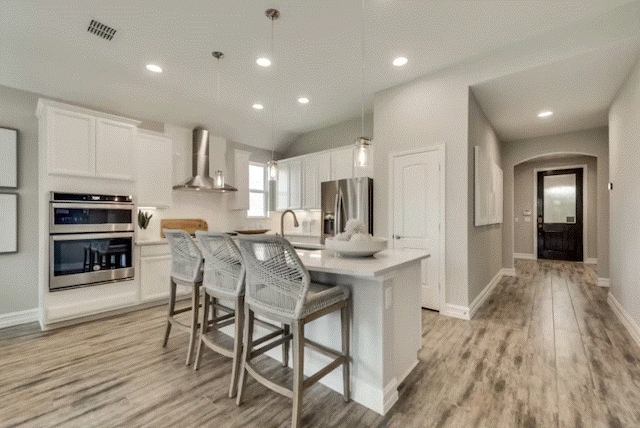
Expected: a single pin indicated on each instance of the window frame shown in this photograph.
(265, 190)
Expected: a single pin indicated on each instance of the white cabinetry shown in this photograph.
(289, 186)
(82, 142)
(342, 163)
(155, 272)
(154, 166)
(316, 168)
(241, 166)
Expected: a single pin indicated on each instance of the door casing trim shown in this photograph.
(440, 149)
(585, 216)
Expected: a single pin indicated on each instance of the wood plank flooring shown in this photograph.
(545, 350)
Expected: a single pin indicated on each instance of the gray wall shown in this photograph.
(18, 272)
(524, 176)
(591, 142)
(624, 135)
(330, 137)
(485, 242)
(429, 112)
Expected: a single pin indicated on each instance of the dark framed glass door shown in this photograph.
(559, 216)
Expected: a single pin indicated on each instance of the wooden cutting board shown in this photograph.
(188, 224)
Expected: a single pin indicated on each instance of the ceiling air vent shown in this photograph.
(101, 30)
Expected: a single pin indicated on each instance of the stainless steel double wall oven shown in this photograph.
(90, 239)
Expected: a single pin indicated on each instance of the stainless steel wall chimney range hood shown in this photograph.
(201, 180)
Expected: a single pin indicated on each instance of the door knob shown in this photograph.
(397, 236)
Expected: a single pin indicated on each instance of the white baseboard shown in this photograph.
(480, 299)
(508, 271)
(625, 318)
(524, 256)
(456, 311)
(604, 282)
(17, 318)
(590, 261)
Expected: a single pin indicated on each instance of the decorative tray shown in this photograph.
(252, 231)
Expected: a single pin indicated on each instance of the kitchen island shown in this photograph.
(386, 321)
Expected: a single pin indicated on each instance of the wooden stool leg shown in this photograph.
(204, 327)
(344, 322)
(172, 305)
(298, 372)
(237, 346)
(246, 351)
(195, 306)
(285, 346)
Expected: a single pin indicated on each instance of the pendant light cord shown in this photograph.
(362, 76)
(272, 91)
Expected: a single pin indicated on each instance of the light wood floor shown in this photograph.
(545, 350)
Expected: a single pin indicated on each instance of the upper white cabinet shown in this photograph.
(316, 168)
(87, 143)
(154, 166)
(342, 163)
(289, 186)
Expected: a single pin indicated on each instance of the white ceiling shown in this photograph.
(45, 48)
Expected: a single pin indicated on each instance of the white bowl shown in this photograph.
(356, 248)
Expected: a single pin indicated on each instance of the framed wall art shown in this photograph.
(8, 158)
(8, 223)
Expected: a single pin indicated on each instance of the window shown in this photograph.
(258, 190)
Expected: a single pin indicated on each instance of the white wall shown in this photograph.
(624, 157)
(485, 242)
(591, 142)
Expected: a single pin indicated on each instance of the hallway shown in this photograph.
(544, 351)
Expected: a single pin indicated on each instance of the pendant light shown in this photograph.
(362, 152)
(272, 165)
(218, 177)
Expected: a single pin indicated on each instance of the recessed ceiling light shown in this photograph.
(303, 100)
(154, 68)
(258, 106)
(400, 61)
(263, 62)
(545, 113)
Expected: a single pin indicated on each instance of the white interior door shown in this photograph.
(417, 214)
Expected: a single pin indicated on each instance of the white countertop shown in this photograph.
(158, 241)
(368, 267)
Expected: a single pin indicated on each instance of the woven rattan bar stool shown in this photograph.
(223, 279)
(279, 288)
(186, 270)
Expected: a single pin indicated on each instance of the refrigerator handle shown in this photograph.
(338, 212)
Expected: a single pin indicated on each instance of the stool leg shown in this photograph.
(172, 305)
(204, 327)
(237, 346)
(344, 321)
(195, 306)
(298, 372)
(285, 346)
(246, 351)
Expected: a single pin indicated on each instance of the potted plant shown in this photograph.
(143, 219)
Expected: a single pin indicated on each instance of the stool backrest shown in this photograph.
(223, 267)
(276, 281)
(186, 258)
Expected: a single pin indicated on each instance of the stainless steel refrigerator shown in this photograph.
(342, 200)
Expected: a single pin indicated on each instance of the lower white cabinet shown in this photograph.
(155, 272)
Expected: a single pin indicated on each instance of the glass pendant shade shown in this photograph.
(272, 170)
(218, 180)
(362, 153)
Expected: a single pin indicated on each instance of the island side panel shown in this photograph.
(367, 340)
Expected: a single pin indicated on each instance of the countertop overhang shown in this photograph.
(366, 267)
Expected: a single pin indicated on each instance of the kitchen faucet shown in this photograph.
(295, 221)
